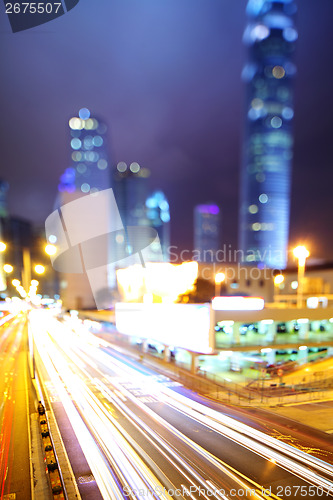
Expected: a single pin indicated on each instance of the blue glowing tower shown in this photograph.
(268, 143)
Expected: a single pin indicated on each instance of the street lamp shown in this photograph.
(3, 246)
(8, 268)
(301, 254)
(278, 280)
(39, 269)
(219, 278)
(50, 249)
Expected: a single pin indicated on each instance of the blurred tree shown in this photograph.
(204, 291)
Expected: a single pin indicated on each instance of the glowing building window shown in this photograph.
(121, 167)
(76, 156)
(81, 168)
(287, 113)
(276, 122)
(253, 209)
(91, 124)
(84, 113)
(76, 123)
(85, 188)
(263, 198)
(97, 141)
(102, 164)
(259, 32)
(134, 167)
(76, 143)
(165, 217)
(290, 34)
(88, 142)
(257, 103)
(278, 72)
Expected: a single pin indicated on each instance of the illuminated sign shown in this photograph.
(238, 303)
(157, 281)
(180, 325)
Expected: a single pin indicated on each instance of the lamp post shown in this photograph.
(39, 269)
(219, 279)
(50, 249)
(8, 268)
(301, 254)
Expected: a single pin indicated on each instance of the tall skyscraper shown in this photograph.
(89, 170)
(268, 143)
(131, 190)
(139, 207)
(88, 173)
(206, 232)
(158, 215)
(4, 186)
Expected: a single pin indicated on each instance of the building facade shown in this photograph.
(141, 208)
(206, 232)
(89, 172)
(268, 142)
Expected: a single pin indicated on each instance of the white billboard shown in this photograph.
(181, 325)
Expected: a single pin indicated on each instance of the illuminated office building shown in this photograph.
(88, 173)
(4, 186)
(268, 143)
(158, 215)
(206, 232)
(89, 170)
(139, 207)
(131, 190)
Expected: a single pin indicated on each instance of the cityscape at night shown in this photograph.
(166, 264)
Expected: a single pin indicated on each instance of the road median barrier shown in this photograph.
(57, 489)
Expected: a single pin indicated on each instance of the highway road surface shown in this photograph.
(145, 436)
(15, 473)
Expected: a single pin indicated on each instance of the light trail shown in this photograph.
(67, 342)
(129, 384)
(132, 472)
(10, 342)
(226, 426)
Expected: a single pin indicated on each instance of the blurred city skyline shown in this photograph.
(166, 78)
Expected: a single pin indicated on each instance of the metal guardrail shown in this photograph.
(213, 386)
(210, 384)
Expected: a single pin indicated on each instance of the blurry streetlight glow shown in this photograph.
(34, 282)
(301, 254)
(8, 268)
(279, 279)
(50, 249)
(16, 283)
(3, 246)
(219, 278)
(39, 269)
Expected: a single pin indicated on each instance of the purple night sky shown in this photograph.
(165, 76)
